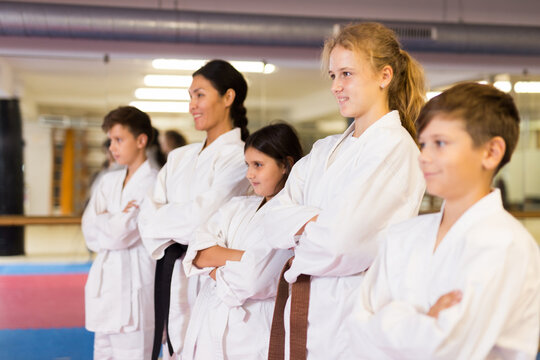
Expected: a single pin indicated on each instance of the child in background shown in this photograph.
(171, 140)
(463, 283)
(119, 292)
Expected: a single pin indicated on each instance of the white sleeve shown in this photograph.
(374, 291)
(342, 240)
(255, 276)
(214, 232)
(164, 223)
(155, 200)
(491, 285)
(107, 231)
(286, 212)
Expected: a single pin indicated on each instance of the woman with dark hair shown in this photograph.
(232, 314)
(231, 88)
(196, 180)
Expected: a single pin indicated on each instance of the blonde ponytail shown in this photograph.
(406, 93)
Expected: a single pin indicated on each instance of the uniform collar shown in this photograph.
(230, 137)
(483, 208)
(390, 119)
(142, 170)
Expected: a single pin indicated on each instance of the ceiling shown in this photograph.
(70, 76)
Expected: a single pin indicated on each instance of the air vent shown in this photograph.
(415, 32)
(64, 121)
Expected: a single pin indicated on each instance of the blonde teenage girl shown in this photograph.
(358, 183)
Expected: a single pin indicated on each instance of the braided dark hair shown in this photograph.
(223, 77)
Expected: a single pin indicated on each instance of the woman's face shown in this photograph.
(354, 83)
(208, 107)
(264, 172)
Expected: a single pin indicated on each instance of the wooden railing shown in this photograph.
(525, 214)
(20, 220)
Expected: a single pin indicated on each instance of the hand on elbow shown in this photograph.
(197, 260)
(204, 257)
(130, 205)
(301, 230)
(444, 302)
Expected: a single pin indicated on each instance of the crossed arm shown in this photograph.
(215, 257)
(444, 302)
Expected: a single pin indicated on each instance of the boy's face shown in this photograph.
(452, 165)
(124, 147)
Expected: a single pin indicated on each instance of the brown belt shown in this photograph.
(298, 318)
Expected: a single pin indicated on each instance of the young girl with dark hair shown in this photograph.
(232, 314)
(196, 180)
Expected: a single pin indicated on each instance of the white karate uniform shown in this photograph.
(232, 316)
(487, 254)
(370, 182)
(191, 186)
(119, 292)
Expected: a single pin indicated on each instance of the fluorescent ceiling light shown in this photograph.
(431, 94)
(168, 80)
(191, 65)
(527, 87)
(161, 106)
(503, 85)
(253, 67)
(269, 68)
(161, 94)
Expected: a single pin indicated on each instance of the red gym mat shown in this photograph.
(42, 301)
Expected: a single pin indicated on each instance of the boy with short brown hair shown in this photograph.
(463, 283)
(119, 292)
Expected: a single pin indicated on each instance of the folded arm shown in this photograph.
(163, 222)
(254, 277)
(109, 231)
(385, 323)
(287, 213)
(216, 256)
(341, 242)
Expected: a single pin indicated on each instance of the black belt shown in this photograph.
(162, 295)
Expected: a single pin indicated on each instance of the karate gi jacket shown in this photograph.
(487, 254)
(190, 187)
(374, 182)
(232, 316)
(120, 283)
